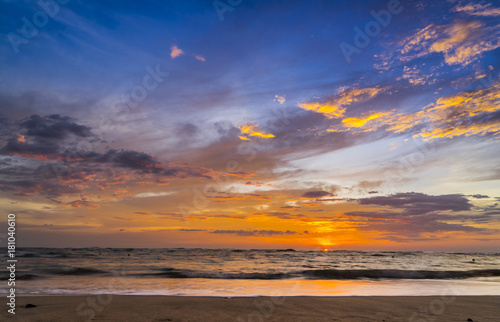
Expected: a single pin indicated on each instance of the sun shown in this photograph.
(326, 249)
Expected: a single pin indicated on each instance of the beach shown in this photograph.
(179, 308)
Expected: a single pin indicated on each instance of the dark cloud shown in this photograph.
(254, 232)
(479, 196)
(44, 137)
(413, 214)
(316, 194)
(418, 203)
(74, 164)
(31, 187)
(124, 158)
(53, 127)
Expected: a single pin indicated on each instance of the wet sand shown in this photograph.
(178, 308)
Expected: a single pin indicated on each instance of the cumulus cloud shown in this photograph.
(175, 52)
(280, 99)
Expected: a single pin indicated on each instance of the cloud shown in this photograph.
(53, 127)
(361, 121)
(463, 114)
(250, 130)
(416, 77)
(316, 194)
(200, 58)
(477, 9)
(175, 51)
(41, 137)
(42, 156)
(460, 43)
(239, 196)
(334, 107)
(415, 214)
(280, 99)
(84, 204)
(479, 196)
(418, 203)
(152, 194)
(254, 232)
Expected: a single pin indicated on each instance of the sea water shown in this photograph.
(232, 272)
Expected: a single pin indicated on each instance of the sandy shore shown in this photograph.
(172, 308)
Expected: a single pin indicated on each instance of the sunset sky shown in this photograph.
(369, 125)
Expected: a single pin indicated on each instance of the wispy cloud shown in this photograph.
(460, 43)
(477, 9)
(254, 232)
(251, 130)
(200, 58)
(463, 114)
(334, 107)
(153, 194)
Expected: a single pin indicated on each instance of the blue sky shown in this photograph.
(243, 116)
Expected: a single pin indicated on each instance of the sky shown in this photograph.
(363, 125)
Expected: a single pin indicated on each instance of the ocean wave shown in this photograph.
(214, 275)
(78, 271)
(397, 274)
(330, 274)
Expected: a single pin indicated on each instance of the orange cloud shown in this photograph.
(448, 117)
(335, 107)
(175, 51)
(460, 43)
(360, 122)
(251, 130)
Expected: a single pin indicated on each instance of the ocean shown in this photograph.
(232, 272)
